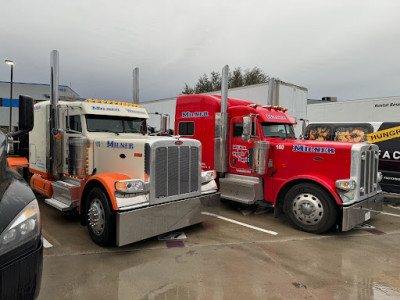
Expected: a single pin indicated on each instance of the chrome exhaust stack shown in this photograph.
(136, 86)
(55, 144)
(273, 92)
(221, 127)
(53, 89)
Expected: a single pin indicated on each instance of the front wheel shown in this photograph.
(100, 221)
(310, 208)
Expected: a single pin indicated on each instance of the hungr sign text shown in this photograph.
(384, 135)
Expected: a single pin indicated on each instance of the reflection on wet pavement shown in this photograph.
(225, 261)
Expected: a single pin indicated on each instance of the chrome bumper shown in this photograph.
(143, 223)
(361, 211)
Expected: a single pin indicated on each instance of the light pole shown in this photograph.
(10, 63)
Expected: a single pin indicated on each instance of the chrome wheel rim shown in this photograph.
(96, 216)
(307, 209)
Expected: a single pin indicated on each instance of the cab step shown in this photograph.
(61, 206)
(65, 194)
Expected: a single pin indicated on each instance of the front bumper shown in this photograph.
(21, 279)
(143, 223)
(361, 211)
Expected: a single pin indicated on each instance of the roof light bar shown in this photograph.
(112, 102)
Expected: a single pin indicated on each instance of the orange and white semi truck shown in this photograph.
(96, 156)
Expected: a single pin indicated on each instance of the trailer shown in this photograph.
(385, 109)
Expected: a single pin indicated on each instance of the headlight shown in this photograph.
(131, 186)
(346, 184)
(379, 177)
(24, 227)
(207, 176)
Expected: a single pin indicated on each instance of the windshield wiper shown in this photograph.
(104, 130)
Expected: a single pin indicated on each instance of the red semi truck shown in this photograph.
(317, 184)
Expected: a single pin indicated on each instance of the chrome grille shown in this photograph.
(174, 170)
(368, 174)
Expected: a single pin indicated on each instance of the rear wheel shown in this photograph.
(100, 221)
(310, 208)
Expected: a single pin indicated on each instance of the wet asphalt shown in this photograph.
(223, 260)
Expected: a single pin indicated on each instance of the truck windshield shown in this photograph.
(99, 123)
(277, 130)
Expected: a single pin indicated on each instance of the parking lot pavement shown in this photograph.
(224, 260)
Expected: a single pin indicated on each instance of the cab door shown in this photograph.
(73, 129)
(240, 151)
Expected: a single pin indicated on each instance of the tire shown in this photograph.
(100, 220)
(310, 208)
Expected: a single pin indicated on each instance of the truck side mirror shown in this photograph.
(25, 113)
(247, 128)
(164, 125)
(303, 128)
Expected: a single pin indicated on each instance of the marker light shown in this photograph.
(346, 184)
(90, 100)
(130, 186)
(96, 101)
(102, 101)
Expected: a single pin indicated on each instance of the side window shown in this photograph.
(237, 130)
(186, 128)
(75, 123)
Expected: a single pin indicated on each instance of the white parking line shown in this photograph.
(382, 212)
(389, 214)
(240, 223)
(46, 243)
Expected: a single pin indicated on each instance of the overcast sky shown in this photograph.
(348, 49)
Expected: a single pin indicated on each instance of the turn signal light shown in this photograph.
(207, 176)
(130, 186)
(346, 184)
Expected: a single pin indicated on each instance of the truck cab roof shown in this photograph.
(91, 107)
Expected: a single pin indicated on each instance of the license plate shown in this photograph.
(367, 215)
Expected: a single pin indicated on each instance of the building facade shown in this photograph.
(39, 92)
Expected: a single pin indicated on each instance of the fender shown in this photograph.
(107, 180)
(15, 162)
(326, 182)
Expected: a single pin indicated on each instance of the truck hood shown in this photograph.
(323, 144)
(121, 154)
(15, 194)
